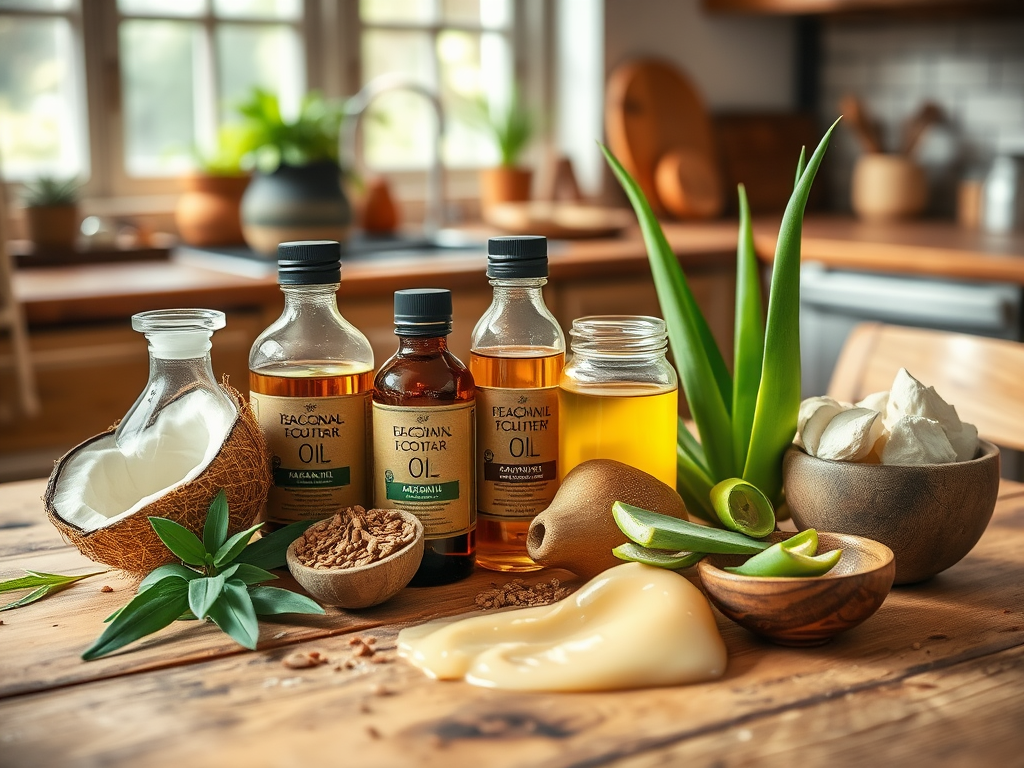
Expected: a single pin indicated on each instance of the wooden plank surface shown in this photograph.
(938, 670)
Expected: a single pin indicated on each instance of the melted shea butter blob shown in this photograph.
(633, 626)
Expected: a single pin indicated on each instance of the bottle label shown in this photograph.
(319, 448)
(423, 463)
(517, 448)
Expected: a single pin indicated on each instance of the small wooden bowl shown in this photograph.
(365, 585)
(804, 611)
(929, 515)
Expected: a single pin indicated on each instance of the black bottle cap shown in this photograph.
(309, 262)
(517, 256)
(423, 312)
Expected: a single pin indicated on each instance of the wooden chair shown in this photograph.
(13, 321)
(983, 378)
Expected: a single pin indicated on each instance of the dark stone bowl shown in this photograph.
(929, 515)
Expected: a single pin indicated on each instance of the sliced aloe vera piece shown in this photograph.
(790, 561)
(655, 531)
(743, 508)
(659, 558)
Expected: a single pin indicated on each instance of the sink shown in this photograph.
(361, 247)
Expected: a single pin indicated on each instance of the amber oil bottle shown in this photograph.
(310, 381)
(424, 412)
(516, 356)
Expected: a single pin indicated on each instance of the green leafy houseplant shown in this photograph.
(745, 419)
(271, 140)
(510, 126)
(219, 578)
(48, 192)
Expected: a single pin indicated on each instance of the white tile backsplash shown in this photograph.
(974, 69)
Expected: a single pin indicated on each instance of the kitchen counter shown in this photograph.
(933, 678)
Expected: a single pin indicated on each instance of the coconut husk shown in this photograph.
(577, 532)
(241, 468)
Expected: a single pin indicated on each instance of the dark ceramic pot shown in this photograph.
(295, 202)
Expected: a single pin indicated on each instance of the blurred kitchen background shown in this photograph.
(128, 136)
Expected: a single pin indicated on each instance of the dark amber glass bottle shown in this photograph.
(424, 436)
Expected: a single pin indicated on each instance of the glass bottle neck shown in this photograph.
(312, 298)
(422, 345)
(522, 289)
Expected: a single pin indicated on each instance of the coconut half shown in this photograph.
(100, 499)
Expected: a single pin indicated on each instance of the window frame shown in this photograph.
(330, 31)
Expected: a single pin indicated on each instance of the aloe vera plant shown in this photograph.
(745, 419)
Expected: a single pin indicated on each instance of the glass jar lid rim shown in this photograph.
(178, 320)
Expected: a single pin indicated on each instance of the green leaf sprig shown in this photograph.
(41, 584)
(746, 419)
(220, 578)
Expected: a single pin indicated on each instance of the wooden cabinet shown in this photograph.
(902, 7)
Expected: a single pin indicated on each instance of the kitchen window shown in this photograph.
(123, 93)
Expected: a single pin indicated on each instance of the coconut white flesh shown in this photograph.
(909, 397)
(850, 435)
(917, 440)
(100, 485)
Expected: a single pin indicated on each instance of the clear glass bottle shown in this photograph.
(618, 397)
(424, 412)
(516, 356)
(181, 387)
(310, 381)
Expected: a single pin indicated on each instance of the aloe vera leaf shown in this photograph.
(749, 336)
(780, 560)
(801, 163)
(778, 397)
(804, 543)
(743, 508)
(706, 380)
(655, 531)
(694, 486)
(688, 443)
(634, 553)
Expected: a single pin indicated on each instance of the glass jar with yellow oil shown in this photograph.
(618, 396)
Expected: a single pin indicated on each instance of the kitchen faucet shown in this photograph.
(355, 108)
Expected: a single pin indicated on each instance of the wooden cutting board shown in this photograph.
(559, 221)
(652, 109)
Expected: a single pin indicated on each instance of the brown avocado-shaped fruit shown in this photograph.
(577, 532)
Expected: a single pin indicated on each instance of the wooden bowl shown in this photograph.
(929, 515)
(803, 611)
(365, 585)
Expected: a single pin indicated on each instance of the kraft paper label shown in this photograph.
(424, 464)
(320, 449)
(517, 449)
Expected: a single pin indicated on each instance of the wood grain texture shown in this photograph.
(936, 672)
(980, 377)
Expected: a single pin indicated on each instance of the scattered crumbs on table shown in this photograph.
(517, 593)
(304, 659)
(106, 588)
(56, 625)
(1, 622)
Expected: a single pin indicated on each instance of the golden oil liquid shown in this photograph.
(627, 422)
(501, 545)
(312, 379)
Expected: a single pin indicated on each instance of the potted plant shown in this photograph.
(51, 209)
(208, 212)
(295, 192)
(511, 127)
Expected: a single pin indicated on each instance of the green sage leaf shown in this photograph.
(656, 531)
(185, 545)
(215, 532)
(233, 546)
(203, 592)
(269, 550)
(36, 594)
(268, 601)
(40, 579)
(147, 612)
(171, 570)
(250, 574)
(233, 612)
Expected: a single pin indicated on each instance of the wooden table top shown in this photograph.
(936, 677)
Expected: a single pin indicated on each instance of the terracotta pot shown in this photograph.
(380, 214)
(888, 187)
(295, 202)
(209, 209)
(53, 226)
(504, 185)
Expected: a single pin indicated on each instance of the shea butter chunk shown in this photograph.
(850, 435)
(815, 415)
(909, 397)
(917, 440)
